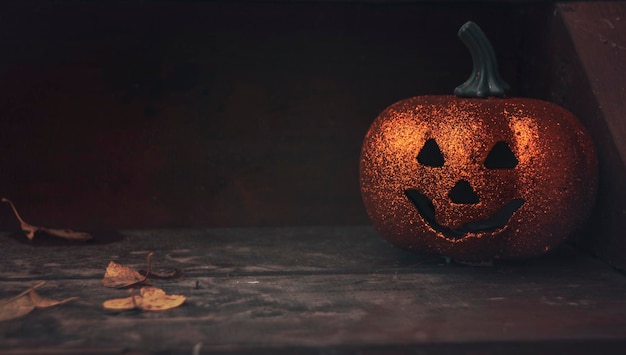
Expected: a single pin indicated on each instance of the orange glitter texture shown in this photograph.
(477, 179)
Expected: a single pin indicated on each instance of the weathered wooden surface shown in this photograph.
(311, 290)
(588, 75)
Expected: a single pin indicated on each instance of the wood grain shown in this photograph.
(588, 62)
(313, 290)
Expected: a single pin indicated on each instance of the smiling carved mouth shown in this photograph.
(498, 220)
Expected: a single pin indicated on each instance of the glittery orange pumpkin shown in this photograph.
(477, 178)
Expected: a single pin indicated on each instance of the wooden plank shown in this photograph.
(311, 290)
(587, 70)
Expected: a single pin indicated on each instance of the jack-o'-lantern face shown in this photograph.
(463, 196)
(477, 178)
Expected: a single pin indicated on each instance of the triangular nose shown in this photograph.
(463, 193)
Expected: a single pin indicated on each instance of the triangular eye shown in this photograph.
(430, 155)
(501, 157)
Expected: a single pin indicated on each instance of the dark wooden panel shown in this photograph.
(313, 290)
(167, 114)
(587, 69)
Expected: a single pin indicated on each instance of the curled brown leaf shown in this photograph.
(30, 229)
(120, 276)
(121, 304)
(149, 299)
(16, 307)
(24, 303)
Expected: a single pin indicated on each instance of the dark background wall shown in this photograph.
(205, 114)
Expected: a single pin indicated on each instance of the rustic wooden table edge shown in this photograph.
(309, 290)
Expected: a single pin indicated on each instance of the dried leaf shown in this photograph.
(120, 304)
(16, 307)
(25, 302)
(44, 302)
(30, 230)
(155, 299)
(119, 276)
(149, 299)
(65, 233)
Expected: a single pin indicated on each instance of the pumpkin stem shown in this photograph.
(485, 80)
